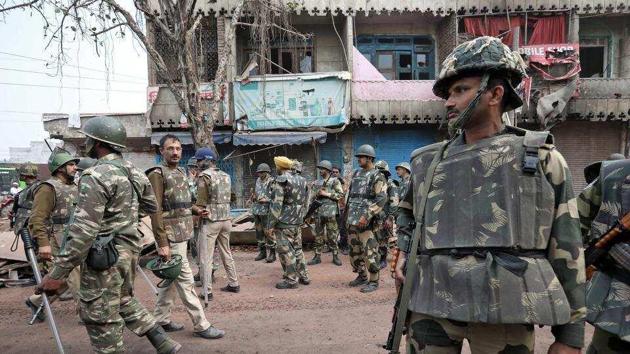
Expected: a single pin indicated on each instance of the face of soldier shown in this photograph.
(462, 92)
(171, 152)
(69, 170)
(363, 161)
(401, 172)
(324, 173)
(262, 175)
(89, 148)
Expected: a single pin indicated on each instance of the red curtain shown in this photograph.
(493, 26)
(548, 30)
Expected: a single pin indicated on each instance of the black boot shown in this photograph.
(359, 280)
(371, 286)
(162, 343)
(336, 259)
(286, 285)
(315, 260)
(271, 255)
(262, 253)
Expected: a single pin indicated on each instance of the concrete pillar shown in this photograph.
(574, 27)
(624, 55)
(346, 146)
(349, 40)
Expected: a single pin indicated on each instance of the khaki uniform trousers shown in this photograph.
(184, 286)
(218, 233)
(432, 335)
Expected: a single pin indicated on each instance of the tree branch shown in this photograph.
(95, 34)
(17, 6)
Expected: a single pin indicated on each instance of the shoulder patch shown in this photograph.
(425, 149)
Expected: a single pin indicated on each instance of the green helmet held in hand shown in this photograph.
(263, 167)
(365, 150)
(326, 165)
(166, 270)
(28, 169)
(105, 129)
(58, 158)
(383, 166)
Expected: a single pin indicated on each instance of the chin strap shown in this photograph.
(463, 118)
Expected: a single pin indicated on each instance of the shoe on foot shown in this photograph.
(210, 333)
(172, 327)
(344, 250)
(315, 260)
(326, 249)
(262, 254)
(371, 286)
(41, 316)
(286, 285)
(336, 260)
(162, 343)
(305, 281)
(197, 278)
(271, 255)
(66, 296)
(210, 296)
(358, 281)
(231, 289)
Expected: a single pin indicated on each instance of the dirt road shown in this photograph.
(326, 316)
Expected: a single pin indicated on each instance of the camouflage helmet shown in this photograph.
(166, 270)
(365, 150)
(263, 167)
(106, 129)
(404, 165)
(478, 56)
(326, 165)
(58, 158)
(192, 162)
(383, 166)
(28, 169)
(85, 163)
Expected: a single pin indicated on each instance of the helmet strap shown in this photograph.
(464, 117)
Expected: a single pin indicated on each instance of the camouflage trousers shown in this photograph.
(364, 255)
(262, 238)
(607, 343)
(326, 231)
(107, 304)
(432, 335)
(289, 248)
(184, 286)
(72, 281)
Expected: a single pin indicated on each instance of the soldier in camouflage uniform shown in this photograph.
(366, 199)
(343, 234)
(213, 204)
(601, 205)
(52, 202)
(21, 209)
(84, 164)
(387, 217)
(174, 222)
(328, 191)
(403, 170)
(285, 217)
(111, 196)
(260, 210)
(499, 245)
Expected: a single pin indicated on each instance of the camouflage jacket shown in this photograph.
(600, 205)
(214, 189)
(286, 209)
(403, 186)
(528, 261)
(303, 193)
(262, 196)
(23, 206)
(172, 193)
(367, 196)
(393, 198)
(107, 203)
(329, 205)
(51, 210)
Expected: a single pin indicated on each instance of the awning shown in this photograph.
(219, 137)
(278, 138)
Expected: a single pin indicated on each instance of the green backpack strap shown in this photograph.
(533, 141)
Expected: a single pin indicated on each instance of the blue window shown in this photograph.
(400, 57)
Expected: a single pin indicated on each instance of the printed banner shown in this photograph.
(290, 102)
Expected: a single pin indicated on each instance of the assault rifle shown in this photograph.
(600, 247)
(317, 201)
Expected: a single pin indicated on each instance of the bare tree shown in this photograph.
(177, 22)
